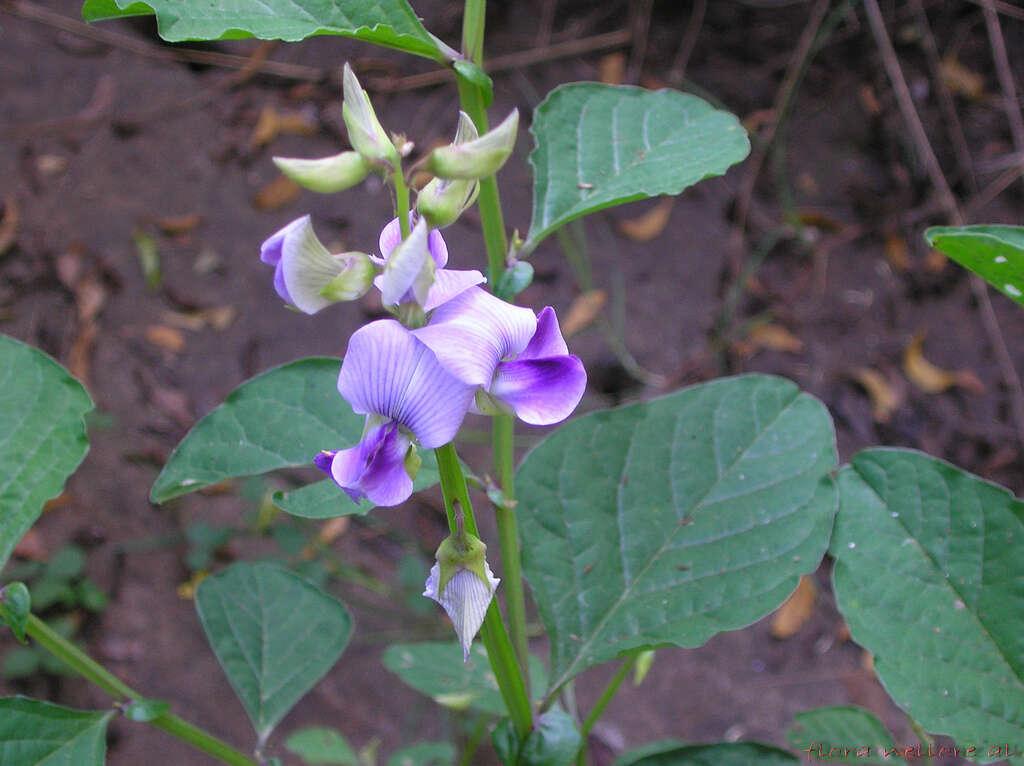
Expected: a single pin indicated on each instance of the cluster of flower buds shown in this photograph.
(453, 348)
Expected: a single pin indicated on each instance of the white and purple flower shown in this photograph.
(396, 381)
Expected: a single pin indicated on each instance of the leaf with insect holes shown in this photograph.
(274, 634)
(669, 521)
(929, 562)
(602, 145)
(391, 23)
(995, 253)
(42, 436)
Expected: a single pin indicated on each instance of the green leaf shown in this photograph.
(477, 77)
(669, 521)
(320, 746)
(505, 741)
(280, 419)
(842, 735)
(737, 754)
(602, 145)
(326, 500)
(424, 754)
(274, 634)
(35, 733)
(928, 573)
(995, 253)
(144, 711)
(42, 436)
(553, 741)
(391, 23)
(436, 669)
(15, 604)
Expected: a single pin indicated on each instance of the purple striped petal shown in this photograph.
(448, 283)
(474, 331)
(547, 341)
(374, 468)
(273, 248)
(388, 371)
(391, 236)
(540, 391)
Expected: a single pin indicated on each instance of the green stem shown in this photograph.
(92, 671)
(473, 17)
(401, 201)
(508, 538)
(499, 649)
(602, 703)
(474, 741)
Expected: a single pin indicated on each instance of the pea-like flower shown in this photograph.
(306, 275)
(518, 360)
(414, 268)
(396, 381)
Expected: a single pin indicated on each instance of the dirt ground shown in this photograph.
(101, 141)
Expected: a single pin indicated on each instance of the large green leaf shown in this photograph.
(995, 253)
(42, 436)
(384, 22)
(601, 145)
(274, 634)
(848, 735)
(929, 574)
(436, 669)
(34, 733)
(724, 754)
(669, 521)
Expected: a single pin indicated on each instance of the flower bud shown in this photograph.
(478, 158)
(462, 583)
(309, 277)
(328, 174)
(409, 267)
(442, 200)
(365, 132)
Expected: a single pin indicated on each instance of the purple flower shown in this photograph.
(397, 382)
(518, 359)
(414, 269)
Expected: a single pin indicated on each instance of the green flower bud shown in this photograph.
(328, 174)
(478, 158)
(365, 132)
(354, 279)
(442, 200)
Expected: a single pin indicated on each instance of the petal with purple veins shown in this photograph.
(391, 237)
(547, 340)
(540, 391)
(448, 283)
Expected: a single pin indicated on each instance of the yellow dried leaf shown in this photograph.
(885, 399)
(612, 69)
(81, 352)
(220, 317)
(272, 123)
(776, 338)
(187, 589)
(178, 224)
(796, 610)
(961, 80)
(932, 379)
(897, 253)
(166, 338)
(646, 227)
(583, 311)
(277, 193)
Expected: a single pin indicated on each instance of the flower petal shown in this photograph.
(391, 237)
(404, 266)
(306, 267)
(547, 341)
(474, 331)
(448, 283)
(374, 468)
(540, 391)
(466, 598)
(272, 249)
(388, 371)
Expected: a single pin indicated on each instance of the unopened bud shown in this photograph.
(478, 158)
(365, 132)
(409, 267)
(443, 200)
(328, 174)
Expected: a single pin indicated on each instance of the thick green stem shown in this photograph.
(500, 653)
(602, 703)
(401, 201)
(92, 671)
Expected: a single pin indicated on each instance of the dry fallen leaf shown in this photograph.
(583, 311)
(776, 338)
(753, 121)
(277, 193)
(961, 80)
(187, 589)
(9, 223)
(90, 295)
(178, 224)
(272, 123)
(869, 100)
(612, 69)
(166, 338)
(220, 317)
(897, 253)
(796, 610)
(935, 261)
(646, 227)
(932, 379)
(885, 398)
(81, 352)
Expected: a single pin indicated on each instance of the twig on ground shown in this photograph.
(1004, 8)
(33, 12)
(640, 23)
(949, 203)
(1006, 84)
(547, 21)
(688, 43)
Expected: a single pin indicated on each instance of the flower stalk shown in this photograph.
(95, 673)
